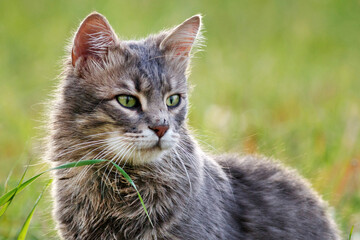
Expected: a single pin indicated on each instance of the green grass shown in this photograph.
(283, 76)
(25, 228)
(351, 231)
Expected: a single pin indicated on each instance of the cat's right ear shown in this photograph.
(93, 38)
(182, 38)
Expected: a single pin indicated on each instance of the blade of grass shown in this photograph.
(351, 231)
(7, 180)
(3, 208)
(134, 186)
(26, 225)
(7, 196)
(78, 164)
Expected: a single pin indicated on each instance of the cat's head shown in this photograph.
(128, 98)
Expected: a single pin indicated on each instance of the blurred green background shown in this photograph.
(279, 78)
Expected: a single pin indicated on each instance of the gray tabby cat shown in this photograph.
(126, 101)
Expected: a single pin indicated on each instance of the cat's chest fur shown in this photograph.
(178, 202)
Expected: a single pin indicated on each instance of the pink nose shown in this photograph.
(160, 130)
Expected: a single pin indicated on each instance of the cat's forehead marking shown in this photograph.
(137, 84)
(124, 85)
(143, 101)
(148, 64)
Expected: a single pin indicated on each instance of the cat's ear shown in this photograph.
(93, 38)
(181, 39)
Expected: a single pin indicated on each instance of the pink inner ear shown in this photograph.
(184, 48)
(183, 37)
(93, 37)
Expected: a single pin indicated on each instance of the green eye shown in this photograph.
(173, 100)
(127, 101)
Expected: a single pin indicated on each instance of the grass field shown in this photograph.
(279, 78)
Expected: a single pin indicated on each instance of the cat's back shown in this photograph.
(274, 202)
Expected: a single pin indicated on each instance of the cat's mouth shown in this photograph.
(152, 151)
(157, 146)
(147, 154)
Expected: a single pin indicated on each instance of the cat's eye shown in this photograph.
(127, 101)
(173, 100)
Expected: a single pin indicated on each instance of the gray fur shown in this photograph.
(189, 194)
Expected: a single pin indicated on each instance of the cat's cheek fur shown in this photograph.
(169, 140)
(179, 113)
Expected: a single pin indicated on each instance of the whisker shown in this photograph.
(187, 174)
(76, 147)
(89, 143)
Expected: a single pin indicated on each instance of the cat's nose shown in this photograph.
(160, 130)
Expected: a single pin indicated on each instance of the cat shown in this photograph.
(126, 101)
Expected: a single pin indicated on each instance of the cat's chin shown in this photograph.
(149, 155)
(152, 153)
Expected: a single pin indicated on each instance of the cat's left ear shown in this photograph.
(93, 38)
(182, 38)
